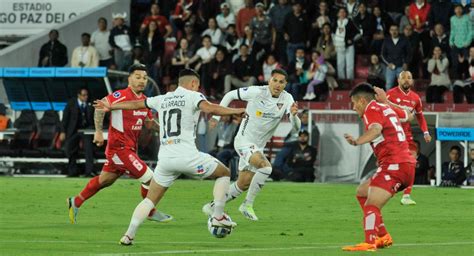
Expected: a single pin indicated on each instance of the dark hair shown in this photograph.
(243, 45)
(206, 36)
(316, 51)
(81, 89)
(281, 72)
(303, 132)
(363, 89)
(54, 30)
(102, 19)
(395, 25)
(135, 67)
(86, 34)
(301, 48)
(188, 72)
(455, 147)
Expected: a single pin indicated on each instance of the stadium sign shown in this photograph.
(20, 18)
(455, 134)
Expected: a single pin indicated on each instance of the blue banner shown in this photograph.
(68, 72)
(42, 72)
(455, 134)
(1, 72)
(59, 106)
(15, 72)
(94, 72)
(20, 105)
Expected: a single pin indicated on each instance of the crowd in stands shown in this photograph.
(236, 43)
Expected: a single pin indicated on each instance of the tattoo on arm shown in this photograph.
(99, 119)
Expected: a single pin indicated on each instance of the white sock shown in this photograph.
(220, 189)
(234, 192)
(257, 183)
(139, 215)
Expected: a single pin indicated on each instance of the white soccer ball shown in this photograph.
(218, 232)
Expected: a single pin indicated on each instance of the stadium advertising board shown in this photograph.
(455, 134)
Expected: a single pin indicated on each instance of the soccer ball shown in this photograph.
(218, 232)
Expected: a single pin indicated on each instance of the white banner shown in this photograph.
(30, 17)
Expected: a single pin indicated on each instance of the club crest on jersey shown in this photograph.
(279, 105)
(200, 169)
(116, 95)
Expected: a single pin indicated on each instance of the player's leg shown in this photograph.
(242, 184)
(222, 176)
(362, 192)
(406, 198)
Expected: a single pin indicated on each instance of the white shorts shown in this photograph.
(245, 152)
(197, 166)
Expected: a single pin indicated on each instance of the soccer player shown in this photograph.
(266, 105)
(403, 97)
(178, 116)
(396, 164)
(121, 152)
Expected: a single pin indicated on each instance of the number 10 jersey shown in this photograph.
(178, 114)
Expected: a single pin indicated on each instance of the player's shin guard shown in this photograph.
(139, 215)
(221, 187)
(372, 219)
(257, 183)
(92, 187)
(144, 192)
(234, 192)
(361, 200)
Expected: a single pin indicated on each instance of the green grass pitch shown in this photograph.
(295, 219)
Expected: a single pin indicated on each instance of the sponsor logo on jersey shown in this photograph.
(245, 89)
(138, 125)
(259, 113)
(170, 142)
(388, 111)
(140, 113)
(116, 95)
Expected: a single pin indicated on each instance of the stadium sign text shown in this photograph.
(455, 134)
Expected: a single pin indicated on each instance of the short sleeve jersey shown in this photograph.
(125, 125)
(264, 114)
(178, 114)
(409, 101)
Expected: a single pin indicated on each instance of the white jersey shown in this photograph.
(264, 114)
(178, 114)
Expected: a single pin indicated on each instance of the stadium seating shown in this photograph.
(44, 143)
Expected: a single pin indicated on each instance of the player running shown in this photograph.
(403, 97)
(396, 164)
(121, 151)
(266, 105)
(178, 116)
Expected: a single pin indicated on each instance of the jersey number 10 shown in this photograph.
(170, 130)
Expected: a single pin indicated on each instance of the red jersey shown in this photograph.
(411, 102)
(391, 146)
(125, 125)
(160, 20)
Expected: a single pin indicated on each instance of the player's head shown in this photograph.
(454, 153)
(405, 80)
(83, 94)
(137, 77)
(361, 96)
(303, 137)
(189, 79)
(278, 81)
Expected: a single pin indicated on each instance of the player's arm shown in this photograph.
(293, 116)
(381, 96)
(371, 134)
(129, 105)
(151, 123)
(422, 121)
(218, 110)
(99, 115)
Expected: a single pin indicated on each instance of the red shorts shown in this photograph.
(412, 146)
(125, 161)
(394, 177)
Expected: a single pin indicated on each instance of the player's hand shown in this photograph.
(62, 136)
(294, 108)
(102, 105)
(350, 139)
(241, 112)
(98, 138)
(212, 123)
(380, 95)
(427, 138)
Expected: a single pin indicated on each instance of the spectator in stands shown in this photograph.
(365, 21)
(138, 55)
(470, 169)
(296, 73)
(465, 4)
(301, 160)
(85, 55)
(53, 53)
(264, 33)
(5, 121)
(414, 43)
(352, 7)
(277, 14)
(296, 29)
(376, 75)
(203, 57)
(221, 135)
(461, 35)
(78, 114)
(440, 39)
(382, 27)
(438, 66)
(236, 6)
(394, 8)
(214, 32)
(219, 68)
(395, 55)
(225, 18)
(465, 85)
(326, 45)
(422, 166)
(319, 19)
(121, 40)
(316, 75)
(164, 26)
(268, 66)
(100, 40)
(419, 11)
(181, 57)
(440, 13)
(243, 73)
(227, 152)
(231, 41)
(153, 45)
(405, 20)
(248, 38)
(244, 17)
(453, 173)
(344, 36)
(194, 40)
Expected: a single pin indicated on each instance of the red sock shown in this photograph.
(381, 228)
(89, 190)
(371, 222)
(361, 201)
(407, 191)
(144, 191)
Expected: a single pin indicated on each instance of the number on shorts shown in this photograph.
(168, 129)
(398, 128)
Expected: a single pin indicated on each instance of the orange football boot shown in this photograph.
(384, 241)
(360, 247)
